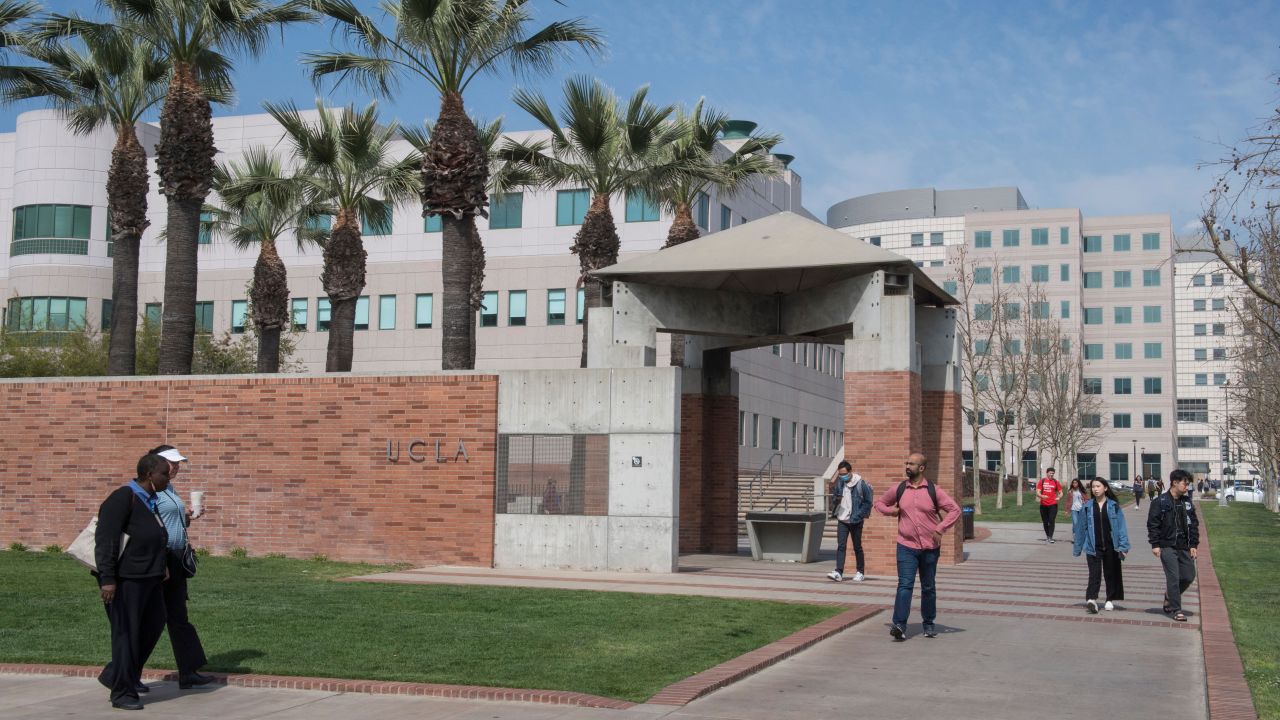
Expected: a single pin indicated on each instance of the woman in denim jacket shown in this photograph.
(1102, 535)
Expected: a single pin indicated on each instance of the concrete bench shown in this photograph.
(785, 536)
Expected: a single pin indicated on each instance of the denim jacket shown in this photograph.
(862, 497)
(1084, 531)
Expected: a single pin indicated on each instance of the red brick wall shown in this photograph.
(941, 419)
(289, 465)
(708, 473)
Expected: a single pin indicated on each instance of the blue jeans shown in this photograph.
(911, 561)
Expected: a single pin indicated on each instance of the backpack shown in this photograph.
(933, 494)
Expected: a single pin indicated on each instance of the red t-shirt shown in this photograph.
(1049, 488)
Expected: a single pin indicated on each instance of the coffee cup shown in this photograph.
(197, 502)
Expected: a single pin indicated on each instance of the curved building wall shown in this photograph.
(922, 203)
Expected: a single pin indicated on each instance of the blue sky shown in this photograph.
(1110, 107)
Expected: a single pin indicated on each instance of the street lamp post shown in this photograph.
(1135, 458)
(1226, 405)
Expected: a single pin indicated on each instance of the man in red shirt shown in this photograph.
(1049, 492)
(919, 506)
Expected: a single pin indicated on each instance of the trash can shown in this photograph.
(967, 519)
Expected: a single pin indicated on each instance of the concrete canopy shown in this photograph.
(782, 253)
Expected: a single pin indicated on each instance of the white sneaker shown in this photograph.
(859, 577)
(1109, 606)
(1091, 606)
(835, 575)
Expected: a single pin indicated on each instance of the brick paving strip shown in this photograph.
(1229, 694)
(680, 693)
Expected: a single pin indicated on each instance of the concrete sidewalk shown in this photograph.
(1016, 643)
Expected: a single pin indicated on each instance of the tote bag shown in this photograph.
(84, 546)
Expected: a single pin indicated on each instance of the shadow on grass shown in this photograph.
(230, 661)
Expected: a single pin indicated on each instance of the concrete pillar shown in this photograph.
(709, 453)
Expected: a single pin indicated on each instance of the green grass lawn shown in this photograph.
(1030, 510)
(291, 617)
(1245, 539)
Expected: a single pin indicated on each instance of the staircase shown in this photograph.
(781, 492)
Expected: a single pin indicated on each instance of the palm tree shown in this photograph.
(195, 38)
(113, 81)
(605, 148)
(14, 38)
(696, 149)
(447, 44)
(260, 203)
(346, 164)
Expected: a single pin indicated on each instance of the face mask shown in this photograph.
(844, 476)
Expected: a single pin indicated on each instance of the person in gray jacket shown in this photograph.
(850, 502)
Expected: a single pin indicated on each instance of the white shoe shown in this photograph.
(1091, 606)
(835, 575)
(859, 577)
(1109, 606)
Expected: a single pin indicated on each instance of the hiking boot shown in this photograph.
(859, 577)
(898, 632)
(1091, 606)
(835, 575)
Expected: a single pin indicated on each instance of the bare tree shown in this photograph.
(975, 334)
(1003, 390)
(1067, 418)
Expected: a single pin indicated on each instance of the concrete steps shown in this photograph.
(796, 490)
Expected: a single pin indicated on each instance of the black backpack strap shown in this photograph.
(933, 495)
(902, 487)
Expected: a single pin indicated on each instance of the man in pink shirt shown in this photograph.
(919, 506)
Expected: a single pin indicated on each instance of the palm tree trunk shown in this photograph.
(184, 161)
(477, 285)
(683, 229)
(127, 184)
(455, 171)
(596, 246)
(343, 279)
(270, 296)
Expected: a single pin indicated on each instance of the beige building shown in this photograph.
(1108, 279)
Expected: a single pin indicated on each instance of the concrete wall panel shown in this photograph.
(643, 544)
(553, 401)
(644, 400)
(650, 489)
(551, 541)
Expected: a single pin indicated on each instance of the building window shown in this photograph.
(386, 312)
(1217, 279)
(204, 317)
(1197, 281)
(1121, 421)
(580, 304)
(362, 313)
(1219, 304)
(875, 241)
(949, 287)
(982, 276)
(935, 238)
(1087, 465)
(1202, 378)
(1123, 315)
(1124, 351)
(368, 228)
(742, 427)
(1012, 311)
(1013, 348)
(1040, 310)
(1151, 313)
(993, 460)
(517, 308)
(489, 309)
(1092, 280)
(1066, 309)
(640, 208)
(1152, 420)
(506, 211)
(982, 239)
(239, 309)
(434, 224)
(1122, 279)
(775, 434)
(1091, 421)
(106, 315)
(1219, 329)
(1064, 272)
(1092, 243)
(1199, 306)
(1201, 354)
(1193, 410)
(1039, 236)
(1010, 238)
(571, 206)
(1152, 351)
(702, 211)
(1119, 465)
(1150, 241)
(323, 314)
(1012, 274)
(298, 309)
(982, 311)
(1200, 329)
(1152, 385)
(1039, 273)
(1151, 278)
(152, 313)
(34, 314)
(1193, 442)
(1092, 316)
(1219, 353)
(1064, 236)
(1123, 386)
(1120, 243)
(1219, 378)
(422, 310)
(205, 236)
(917, 239)
(1092, 386)
(555, 307)
(755, 430)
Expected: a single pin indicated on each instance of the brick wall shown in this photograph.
(691, 472)
(941, 421)
(293, 465)
(708, 473)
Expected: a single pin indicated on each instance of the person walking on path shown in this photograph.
(851, 499)
(1139, 487)
(1049, 492)
(188, 652)
(129, 577)
(924, 511)
(1078, 496)
(1103, 536)
(1174, 533)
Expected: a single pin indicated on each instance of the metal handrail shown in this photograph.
(756, 486)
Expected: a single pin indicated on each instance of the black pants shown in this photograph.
(187, 650)
(1049, 517)
(844, 531)
(137, 619)
(1137, 499)
(1179, 573)
(1105, 564)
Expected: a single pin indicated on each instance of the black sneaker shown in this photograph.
(930, 631)
(898, 632)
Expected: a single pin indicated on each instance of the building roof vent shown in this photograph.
(737, 129)
(784, 158)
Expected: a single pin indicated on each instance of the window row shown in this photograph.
(1013, 311)
(1202, 305)
(518, 307)
(51, 221)
(35, 314)
(917, 239)
(1120, 279)
(1124, 386)
(1202, 354)
(805, 439)
(1124, 351)
(1121, 242)
(1203, 329)
(1086, 464)
(1218, 378)
(1122, 315)
(1150, 421)
(1040, 236)
(1216, 280)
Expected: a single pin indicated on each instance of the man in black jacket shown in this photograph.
(1174, 534)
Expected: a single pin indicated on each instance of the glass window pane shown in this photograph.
(489, 309)
(81, 218)
(299, 314)
(506, 210)
(517, 311)
(57, 313)
(46, 222)
(581, 300)
(387, 312)
(422, 311)
(555, 307)
(106, 314)
(239, 308)
(323, 312)
(362, 313)
(433, 224)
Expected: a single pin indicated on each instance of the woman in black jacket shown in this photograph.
(129, 579)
